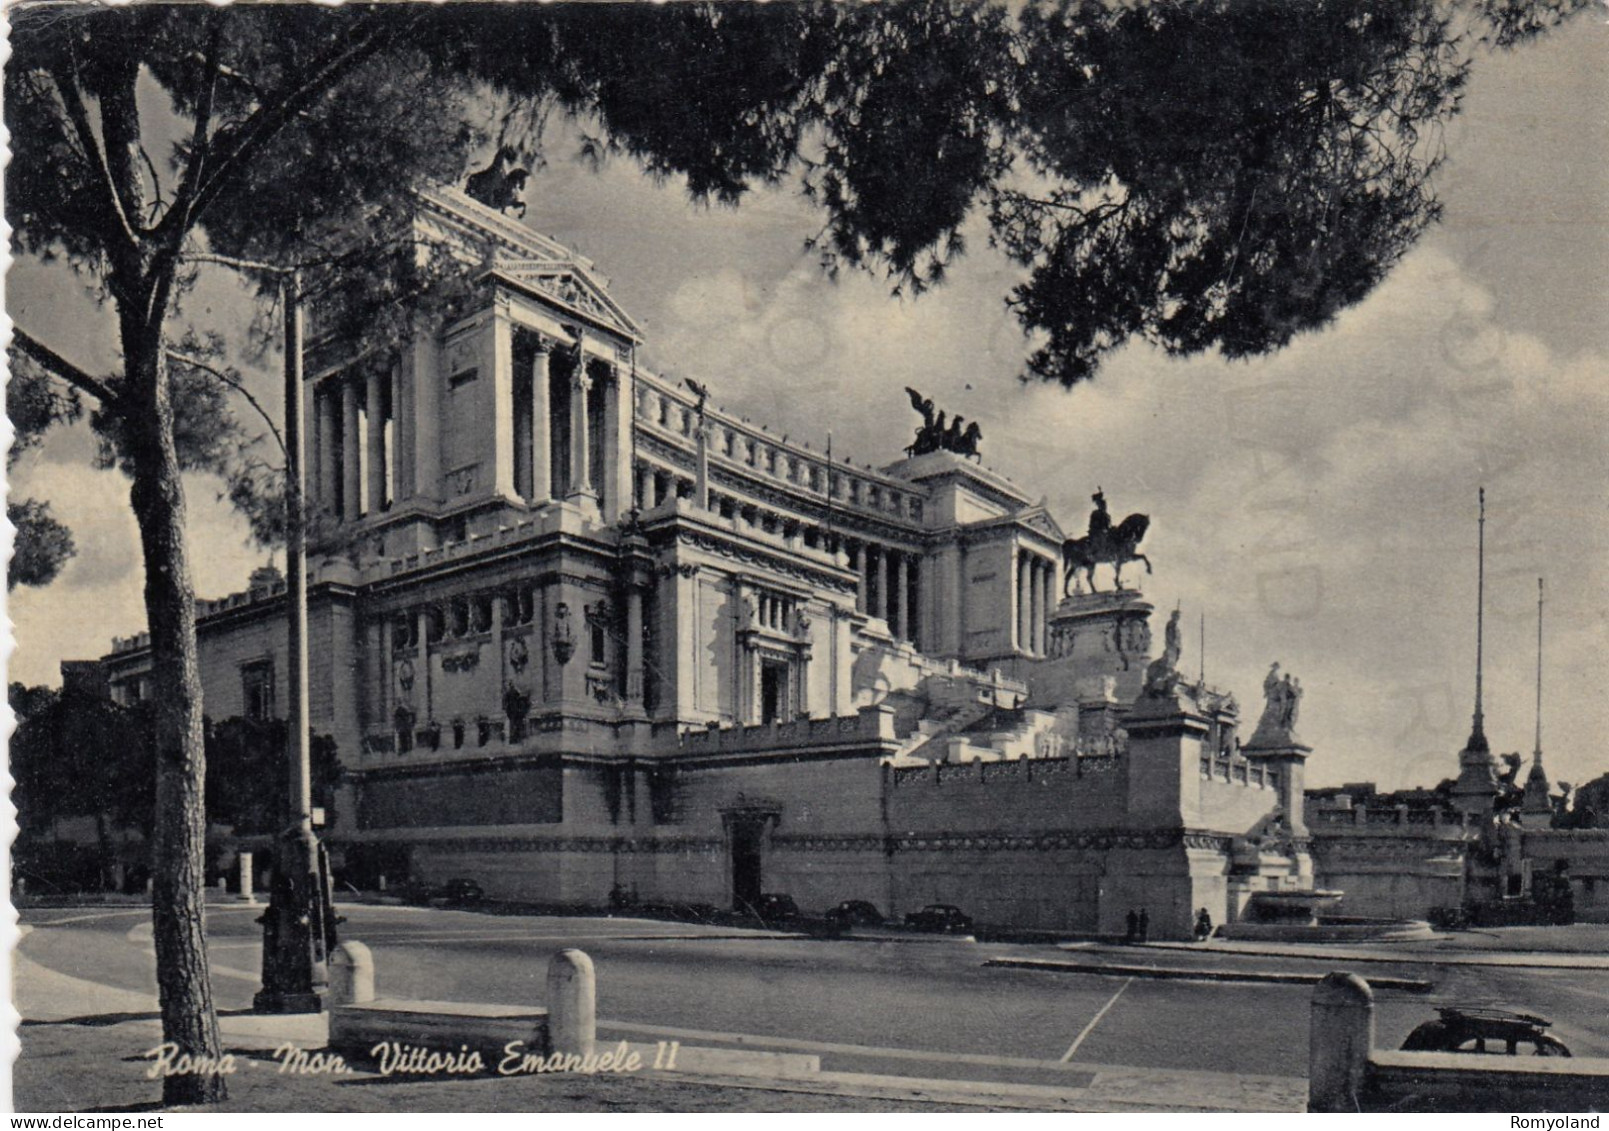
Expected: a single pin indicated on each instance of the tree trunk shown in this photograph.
(178, 847)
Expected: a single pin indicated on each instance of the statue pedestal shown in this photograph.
(1280, 752)
(1096, 641)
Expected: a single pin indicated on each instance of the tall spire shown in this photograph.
(1536, 806)
(1537, 754)
(1476, 790)
(1477, 733)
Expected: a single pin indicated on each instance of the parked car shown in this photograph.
(940, 917)
(773, 907)
(1458, 1029)
(854, 913)
(415, 891)
(459, 892)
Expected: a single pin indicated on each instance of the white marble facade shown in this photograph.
(554, 595)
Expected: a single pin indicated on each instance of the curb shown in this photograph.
(1520, 960)
(1411, 985)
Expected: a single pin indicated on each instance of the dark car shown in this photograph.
(460, 892)
(415, 891)
(940, 917)
(854, 913)
(773, 907)
(1485, 1031)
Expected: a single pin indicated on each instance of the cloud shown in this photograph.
(99, 593)
(1318, 505)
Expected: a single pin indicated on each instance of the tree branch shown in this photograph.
(157, 202)
(200, 137)
(72, 99)
(206, 367)
(65, 370)
(242, 143)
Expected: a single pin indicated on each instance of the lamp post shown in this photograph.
(299, 925)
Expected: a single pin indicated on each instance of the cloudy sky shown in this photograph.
(1318, 507)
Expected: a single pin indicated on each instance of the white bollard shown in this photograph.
(246, 895)
(572, 1004)
(1340, 1038)
(351, 974)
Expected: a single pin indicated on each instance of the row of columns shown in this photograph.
(888, 585)
(889, 578)
(540, 425)
(356, 460)
(604, 477)
(1036, 579)
(353, 476)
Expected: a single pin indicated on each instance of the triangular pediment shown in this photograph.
(1039, 521)
(571, 287)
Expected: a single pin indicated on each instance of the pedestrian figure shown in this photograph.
(1145, 925)
(1203, 925)
(1134, 927)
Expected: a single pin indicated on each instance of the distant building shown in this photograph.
(580, 634)
(1487, 845)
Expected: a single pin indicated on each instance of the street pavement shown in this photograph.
(895, 1009)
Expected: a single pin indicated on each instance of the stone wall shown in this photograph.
(485, 794)
(1586, 853)
(1391, 871)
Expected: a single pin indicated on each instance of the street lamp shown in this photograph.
(299, 925)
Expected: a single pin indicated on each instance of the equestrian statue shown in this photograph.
(500, 184)
(1112, 545)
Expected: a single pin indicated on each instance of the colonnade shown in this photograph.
(890, 581)
(889, 578)
(582, 450)
(1036, 581)
(554, 431)
(354, 451)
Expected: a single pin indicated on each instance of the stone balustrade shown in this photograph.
(871, 726)
(1397, 817)
(751, 449)
(1020, 769)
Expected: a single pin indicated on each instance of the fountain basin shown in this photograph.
(1294, 917)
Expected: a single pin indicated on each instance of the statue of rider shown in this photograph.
(1100, 520)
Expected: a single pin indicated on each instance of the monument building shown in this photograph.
(581, 635)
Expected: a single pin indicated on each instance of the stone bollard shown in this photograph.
(246, 895)
(351, 974)
(1340, 1038)
(572, 1004)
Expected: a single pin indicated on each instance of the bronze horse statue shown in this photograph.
(1116, 546)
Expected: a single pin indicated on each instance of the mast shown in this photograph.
(1537, 754)
(1202, 635)
(1477, 734)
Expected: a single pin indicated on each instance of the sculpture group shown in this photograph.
(1112, 545)
(1282, 699)
(937, 436)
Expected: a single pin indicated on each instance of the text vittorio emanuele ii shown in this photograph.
(393, 1058)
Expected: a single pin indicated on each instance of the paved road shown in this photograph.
(865, 1006)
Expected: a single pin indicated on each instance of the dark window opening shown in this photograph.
(773, 691)
(257, 689)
